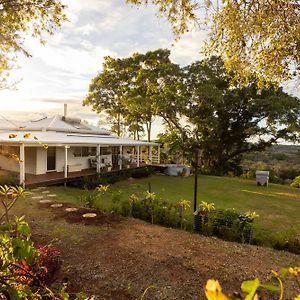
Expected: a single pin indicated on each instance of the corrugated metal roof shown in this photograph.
(59, 130)
(64, 138)
(51, 123)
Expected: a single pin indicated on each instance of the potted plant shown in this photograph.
(109, 167)
(126, 162)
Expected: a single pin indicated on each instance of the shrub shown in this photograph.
(149, 208)
(227, 224)
(88, 198)
(286, 240)
(24, 270)
(296, 182)
(250, 174)
(11, 179)
(141, 173)
(288, 173)
(49, 263)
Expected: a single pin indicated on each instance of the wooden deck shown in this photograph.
(52, 178)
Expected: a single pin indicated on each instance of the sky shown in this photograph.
(60, 71)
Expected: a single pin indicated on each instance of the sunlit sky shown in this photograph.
(60, 71)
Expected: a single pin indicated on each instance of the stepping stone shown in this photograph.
(89, 215)
(52, 195)
(38, 189)
(45, 201)
(56, 205)
(70, 209)
(37, 197)
(45, 192)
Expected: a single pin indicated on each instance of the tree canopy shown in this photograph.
(198, 104)
(226, 121)
(258, 38)
(129, 90)
(18, 19)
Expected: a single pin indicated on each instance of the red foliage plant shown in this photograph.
(49, 264)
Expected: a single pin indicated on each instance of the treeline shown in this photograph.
(283, 162)
(200, 107)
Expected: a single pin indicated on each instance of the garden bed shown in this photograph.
(121, 260)
(76, 216)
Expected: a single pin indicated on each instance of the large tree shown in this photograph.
(258, 38)
(21, 18)
(147, 85)
(131, 89)
(226, 121)
(108, 91)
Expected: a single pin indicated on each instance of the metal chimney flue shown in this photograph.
(65, 111)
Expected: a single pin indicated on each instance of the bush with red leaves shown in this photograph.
(49, 264)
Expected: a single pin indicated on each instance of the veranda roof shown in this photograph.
(65, 138)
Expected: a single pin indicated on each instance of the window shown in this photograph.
(93, 151)
(105, 150)
(77, 151)
(84, 151)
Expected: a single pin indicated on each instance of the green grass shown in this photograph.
(277, 205)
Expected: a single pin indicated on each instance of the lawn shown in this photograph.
(277, 205)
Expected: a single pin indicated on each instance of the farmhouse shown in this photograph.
(59, 149)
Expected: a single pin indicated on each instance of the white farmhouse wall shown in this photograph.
(30, 160)
(41, 161)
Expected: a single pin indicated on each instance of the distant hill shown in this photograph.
(283, 160)
(287, 153)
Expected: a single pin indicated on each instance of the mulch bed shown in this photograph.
(101, 218)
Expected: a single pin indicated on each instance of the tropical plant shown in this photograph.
(253, 288)
(8, 197)
(206, 207)
(183, 205)
(150, 198)
(102, 189)
(133, 199)
(25, 270)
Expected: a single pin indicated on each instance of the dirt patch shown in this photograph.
(101, 218)
(118, 258)
(131, 257)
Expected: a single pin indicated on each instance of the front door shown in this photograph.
(51, 159)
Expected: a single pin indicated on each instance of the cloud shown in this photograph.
(60, 71)
(86, 29)
(77, 61)
(188, 48)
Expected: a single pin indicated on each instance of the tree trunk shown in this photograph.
(119, 125)
(149, 125)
